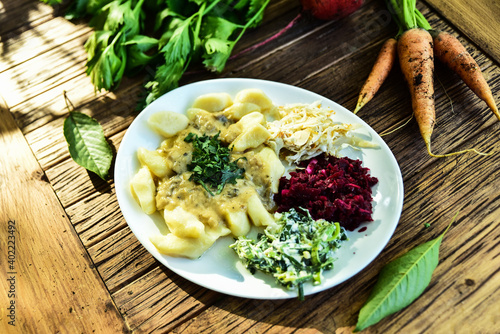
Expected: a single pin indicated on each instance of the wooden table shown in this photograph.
(77, 266)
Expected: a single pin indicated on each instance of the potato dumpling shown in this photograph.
(192, 248)
(253, 136)
(168, 123)
(143, 189)
(213, 102)
(240, 109)
(192, 113)
(271, 167)
(255, 96)
(236, 129)
(252, 118)
(258, 213)
(183, 224)
(156, 162)
(238, 222)
(258, 97)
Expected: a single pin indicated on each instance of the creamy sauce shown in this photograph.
(178, 190)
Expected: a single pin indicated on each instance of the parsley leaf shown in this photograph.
(211, 164)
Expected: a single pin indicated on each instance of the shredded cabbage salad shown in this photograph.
(307, 130)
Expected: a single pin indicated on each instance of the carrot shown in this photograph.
(415, 53)
(451, 52)
(378, 74)
(415, 50)
(416, 58)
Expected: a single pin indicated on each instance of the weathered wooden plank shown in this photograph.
(460, 281)
(20, 47)
(325, 43)
(478, 20)
(54, 67)
(160, 300)
(121, 259)
(22, 15)
(53, 285)
(96, 217)
(50, 105)
(114, 111)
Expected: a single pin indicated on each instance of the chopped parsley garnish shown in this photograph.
(210, 165)
(296, 250)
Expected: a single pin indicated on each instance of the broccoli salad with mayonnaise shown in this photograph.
(295, 250)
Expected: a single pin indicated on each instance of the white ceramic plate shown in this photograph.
(219, 268)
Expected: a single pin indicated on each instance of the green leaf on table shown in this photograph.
(138, 51)
(400, 282)
(217, 45)
(86, 143)
(167, 77)
(106, 62)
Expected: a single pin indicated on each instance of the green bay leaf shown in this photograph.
(86, 143)
(400, 282)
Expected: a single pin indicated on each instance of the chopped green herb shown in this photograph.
(427, 225)
(211, 163)
(296, 250)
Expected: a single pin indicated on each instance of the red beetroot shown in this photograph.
(336, 189)
(331, 9)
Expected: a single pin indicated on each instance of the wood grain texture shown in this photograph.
(329, 58)
(478, 20)
(52, 281)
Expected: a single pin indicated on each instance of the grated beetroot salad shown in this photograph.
(335, 189)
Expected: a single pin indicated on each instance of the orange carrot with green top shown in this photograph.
(416, 58)
(378, 74)
(415, 53)
(451, 52)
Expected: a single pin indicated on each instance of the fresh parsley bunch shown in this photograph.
(168, 35)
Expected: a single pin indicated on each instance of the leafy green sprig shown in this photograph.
(87, 144)
(117, 45)
(212, 31)
(167, 36)
(406, 15)
(211, 164)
